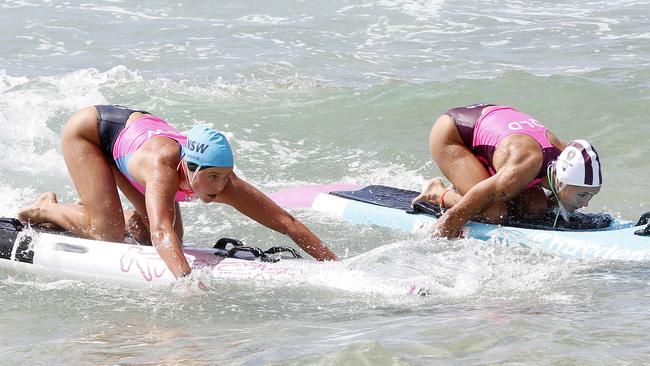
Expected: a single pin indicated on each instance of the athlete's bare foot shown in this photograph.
(33, 212)
(431, 191)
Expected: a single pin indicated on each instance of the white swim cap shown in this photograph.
(578, 165)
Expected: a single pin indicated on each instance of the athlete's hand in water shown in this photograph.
(189, 287)
(442, 229)
(191, 282)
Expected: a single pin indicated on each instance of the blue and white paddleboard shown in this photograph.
(618, 240)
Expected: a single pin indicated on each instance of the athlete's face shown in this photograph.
(210, 182)
(576, 197)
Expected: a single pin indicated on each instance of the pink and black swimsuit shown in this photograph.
(119, 141)
(482, 132)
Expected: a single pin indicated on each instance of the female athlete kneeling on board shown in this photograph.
(497, 159)
(155, 167)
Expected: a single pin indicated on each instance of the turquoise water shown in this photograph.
(342, 91)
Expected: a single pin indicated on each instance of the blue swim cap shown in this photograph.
(208, 148)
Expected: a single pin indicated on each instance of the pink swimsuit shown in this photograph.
(498, 123)
(134, 135)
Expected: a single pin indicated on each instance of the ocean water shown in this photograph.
(326, 92)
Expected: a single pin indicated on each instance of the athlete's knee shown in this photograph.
(113, 230)
(112, 236)
(496, 214)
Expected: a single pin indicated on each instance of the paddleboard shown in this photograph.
(53, 253)
(608, 238)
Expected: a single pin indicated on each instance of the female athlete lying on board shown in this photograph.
(499, 161)
(107, 147)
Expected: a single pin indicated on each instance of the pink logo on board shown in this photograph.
(148, 262)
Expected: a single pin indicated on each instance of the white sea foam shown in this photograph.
(630, 36)
(7, 81)
(421, 10)
(502, 42)
(122, 11)
(468, 269)
(13, 4)
(263, 19)
(42, 285)
(33, 112)
(12, 198)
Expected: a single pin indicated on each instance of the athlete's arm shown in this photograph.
(137, 221)
(161, 185)
(253, 203)
(506, 184)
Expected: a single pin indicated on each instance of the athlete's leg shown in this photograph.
(33, 212)
(460, 166)
(137, 221)
(138, 226)
(100, 214)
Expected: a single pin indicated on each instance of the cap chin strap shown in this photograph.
(188, 174)
(193, 175)
(550, 175)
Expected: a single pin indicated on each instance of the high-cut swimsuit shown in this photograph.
(482, 133)
(120, 142)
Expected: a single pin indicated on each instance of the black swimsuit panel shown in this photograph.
(112, 120)
(465, 119)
